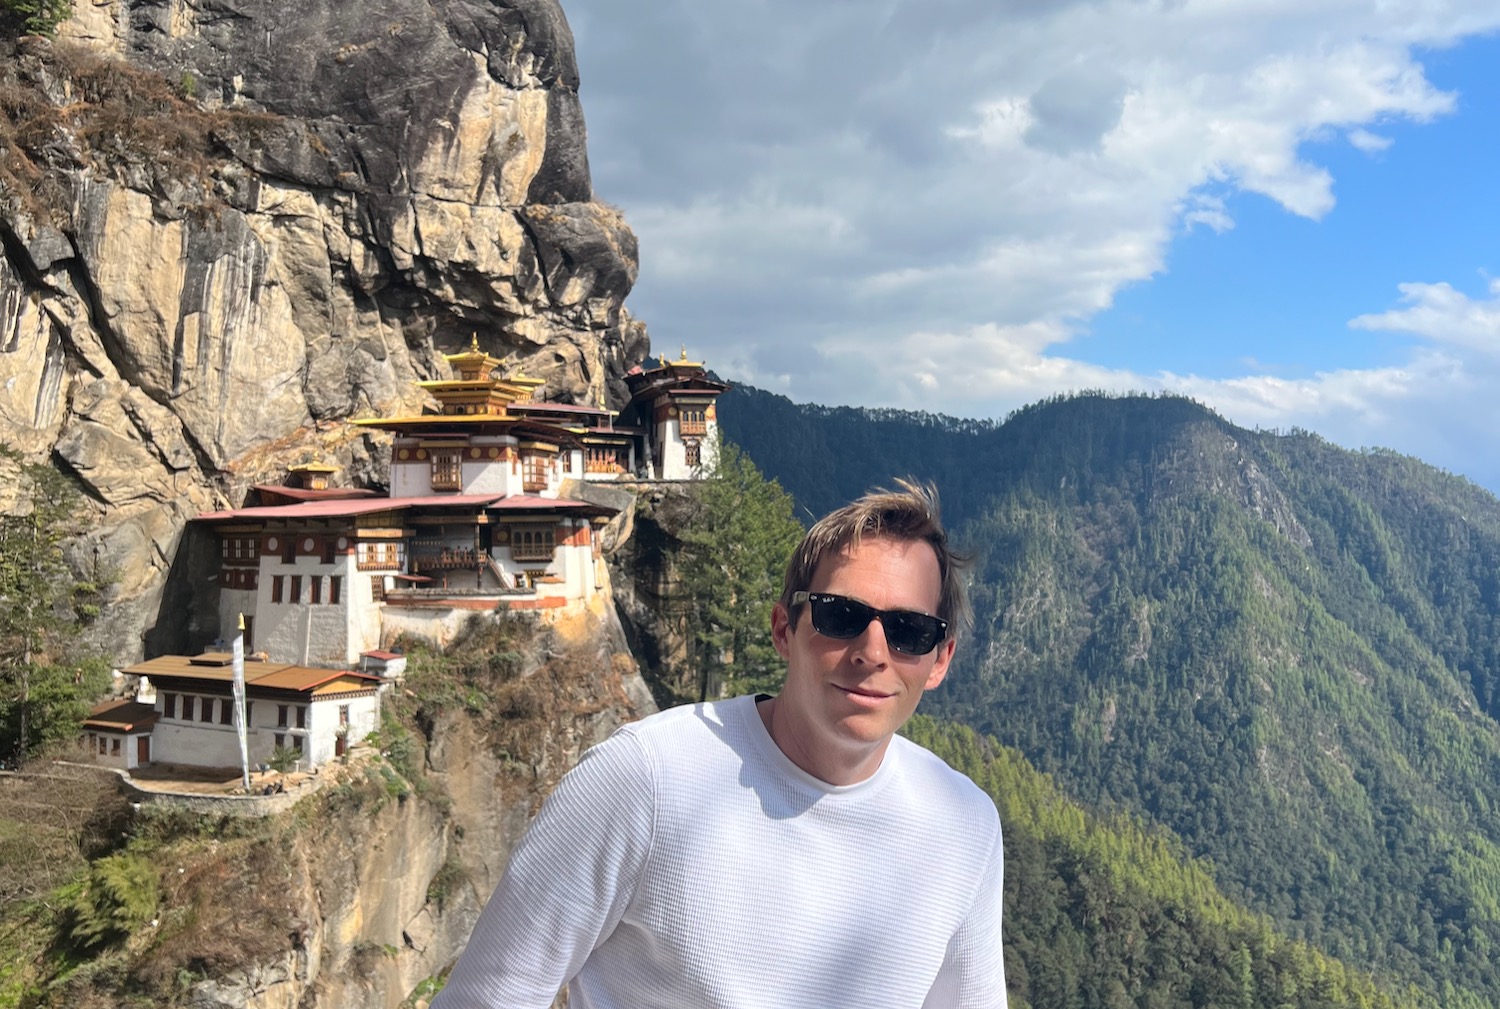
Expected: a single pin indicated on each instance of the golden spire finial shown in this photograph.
(684, 353)
(663, 359)
(474, 341)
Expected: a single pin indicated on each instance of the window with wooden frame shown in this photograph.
(226, 711)
(335, 583)
(169, 705)
(296, 596)
(315, 585)
(447, 470)
(693, 420)
(535, 468)
(693, 454)
(206, 710)
(377, 588)
(533, 543)
(187, 707)
(278, 582)
(289, 551)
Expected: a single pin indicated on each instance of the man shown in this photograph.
(772, 852)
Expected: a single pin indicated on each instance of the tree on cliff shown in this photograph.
(735, 550)
(39, 16)
(47, 679)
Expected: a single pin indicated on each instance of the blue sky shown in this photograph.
(1276, 292)
(1286, 210)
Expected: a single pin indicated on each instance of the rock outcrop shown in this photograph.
(230, 227)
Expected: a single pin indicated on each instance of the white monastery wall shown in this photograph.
(213, 744)
(437, 624)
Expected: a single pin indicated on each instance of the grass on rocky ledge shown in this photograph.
(229, 890)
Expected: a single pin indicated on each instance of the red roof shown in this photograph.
(533, 501)
(347, 508)
(382, 655)
(122, 716)
(304, 494)
(364, 506)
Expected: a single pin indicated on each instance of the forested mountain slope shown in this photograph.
(1104, 912)
(1284, 652)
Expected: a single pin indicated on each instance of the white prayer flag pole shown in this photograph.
(239, 701)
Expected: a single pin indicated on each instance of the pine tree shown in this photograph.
(46, 677)
(735, 551)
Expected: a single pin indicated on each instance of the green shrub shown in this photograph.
(283, 760)
(40, 16)
(119, 897)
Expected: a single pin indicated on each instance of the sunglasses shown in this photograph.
(907, 631)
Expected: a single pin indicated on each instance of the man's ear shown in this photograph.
(940, 664)
(781, 630)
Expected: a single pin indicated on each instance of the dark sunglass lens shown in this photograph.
(911, 633)
(840, 618)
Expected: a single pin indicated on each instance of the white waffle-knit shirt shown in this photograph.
(687, 863)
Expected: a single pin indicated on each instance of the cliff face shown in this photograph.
(228, 228)
(384, 876)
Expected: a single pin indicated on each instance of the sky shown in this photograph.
(1286, 210)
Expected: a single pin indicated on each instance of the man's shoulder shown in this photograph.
(945, 791)
(688, 726)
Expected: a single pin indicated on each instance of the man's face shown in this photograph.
(845, 698)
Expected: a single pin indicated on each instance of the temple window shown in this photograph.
(694, 454)
(694, 420)
(447, 471)
(335, 583)
(377, 588)
(206, 712)
(533, 543)
(315, 584)
(296, 590)
(535, 472)
(278, 582)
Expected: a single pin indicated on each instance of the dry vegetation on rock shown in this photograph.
(65, 109)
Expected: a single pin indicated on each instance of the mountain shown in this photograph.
(1283, 652)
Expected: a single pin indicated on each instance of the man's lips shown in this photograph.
(862, 694)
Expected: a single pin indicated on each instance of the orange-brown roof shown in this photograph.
(216, 667)
(121, 716)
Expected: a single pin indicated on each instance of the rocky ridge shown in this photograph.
(227, 231)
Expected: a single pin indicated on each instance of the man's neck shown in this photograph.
(842, 767)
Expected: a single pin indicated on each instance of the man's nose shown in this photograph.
(871, 647)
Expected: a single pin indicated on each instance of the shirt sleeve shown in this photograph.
(566, 887)
(973, 972)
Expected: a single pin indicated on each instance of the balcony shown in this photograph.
(447, 559)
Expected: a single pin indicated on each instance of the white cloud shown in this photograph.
(1441, 314)
(1371, 143)
(920, 204)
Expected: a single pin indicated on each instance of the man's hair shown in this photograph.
(909, 513)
